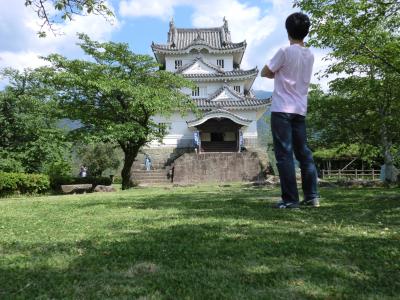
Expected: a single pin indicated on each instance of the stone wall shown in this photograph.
(161, 157)
(218, 167)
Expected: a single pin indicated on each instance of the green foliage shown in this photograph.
(57, 181)
(98, 158)
(30, 140)
(364, 43)
(59, 168)
(360, 33)
(366, 153)
(23, 183)
(10, 163)
(342, 123)
(116, 95)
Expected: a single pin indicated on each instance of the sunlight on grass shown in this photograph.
(221, 242)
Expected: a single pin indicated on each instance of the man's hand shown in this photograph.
(266, 72)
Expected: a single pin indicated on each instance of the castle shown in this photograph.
(222, 92)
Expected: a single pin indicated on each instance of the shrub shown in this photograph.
(58, 181)
(99, 157)
(117, 179)
(23, 183)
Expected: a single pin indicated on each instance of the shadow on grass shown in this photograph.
(222, 245)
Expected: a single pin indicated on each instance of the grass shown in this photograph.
(208, 242)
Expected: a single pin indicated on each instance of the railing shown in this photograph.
(351, 174)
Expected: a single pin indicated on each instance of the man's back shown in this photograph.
(292, 66)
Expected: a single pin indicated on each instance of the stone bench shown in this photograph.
(76, 188)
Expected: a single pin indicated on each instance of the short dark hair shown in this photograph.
(297, 25)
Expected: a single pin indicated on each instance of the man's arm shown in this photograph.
(266, 72)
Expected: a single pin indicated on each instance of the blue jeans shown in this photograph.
(289, 135)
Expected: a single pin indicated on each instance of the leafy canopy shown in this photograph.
(30, 140)
(116, 94)
(363, 104)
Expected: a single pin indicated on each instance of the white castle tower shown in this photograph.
(230, 111)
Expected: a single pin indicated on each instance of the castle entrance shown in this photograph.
(219, 135)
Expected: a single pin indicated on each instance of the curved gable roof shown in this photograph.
(219, 113)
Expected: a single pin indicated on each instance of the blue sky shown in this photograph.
(139, 22)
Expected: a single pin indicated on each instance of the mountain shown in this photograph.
(263, 128)
(69, 124)
(260, 94)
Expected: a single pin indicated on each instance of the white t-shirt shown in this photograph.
(292, 66)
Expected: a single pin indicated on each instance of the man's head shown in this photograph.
(297, 26)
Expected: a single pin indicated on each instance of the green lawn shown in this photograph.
(201, 243)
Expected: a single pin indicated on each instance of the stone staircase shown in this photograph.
(192, 168)
(151, 178)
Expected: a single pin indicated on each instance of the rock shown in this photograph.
(104, 188)
(76, 188)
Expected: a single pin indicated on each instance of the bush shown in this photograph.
(9, 163)
(117, 179)
(23, 183)
(58, 181)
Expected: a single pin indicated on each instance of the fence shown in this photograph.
(351, 174)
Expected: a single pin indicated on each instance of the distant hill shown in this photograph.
(263, 123)
(69, 124)
(260, 94)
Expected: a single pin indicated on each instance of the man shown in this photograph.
(291, 69)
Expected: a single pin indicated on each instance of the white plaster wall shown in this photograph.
(251, 130)
(210, 58)
(180, 135)
(212, 87)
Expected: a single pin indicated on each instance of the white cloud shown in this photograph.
(154, 8)
(21, 47)
(20, 60)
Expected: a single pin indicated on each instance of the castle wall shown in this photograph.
(218, 167)
(188, 58)
(180, 136)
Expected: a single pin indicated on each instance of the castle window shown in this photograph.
(196, 92)
(178, 63)
(220, 63)
(203, 91)
(237, 88)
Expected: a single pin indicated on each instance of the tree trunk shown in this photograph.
(390, 170)
(130, 155)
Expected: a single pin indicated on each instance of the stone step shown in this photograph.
(162, 171)
(140, 177)
(151, 178)
(154, 182)
(150, 175)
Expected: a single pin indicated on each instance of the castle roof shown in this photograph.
(183, 40)
(211, 72)
(219, 113)
(227, 98)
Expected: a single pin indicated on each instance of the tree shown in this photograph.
(116, 95)
(98, 157)
(339, 125)
(30, 140)
(65, 10)
(364, 44)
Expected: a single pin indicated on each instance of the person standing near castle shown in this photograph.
(147, 162)
(291, 69)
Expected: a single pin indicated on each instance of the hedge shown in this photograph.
(57, 181)
(23, 183)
